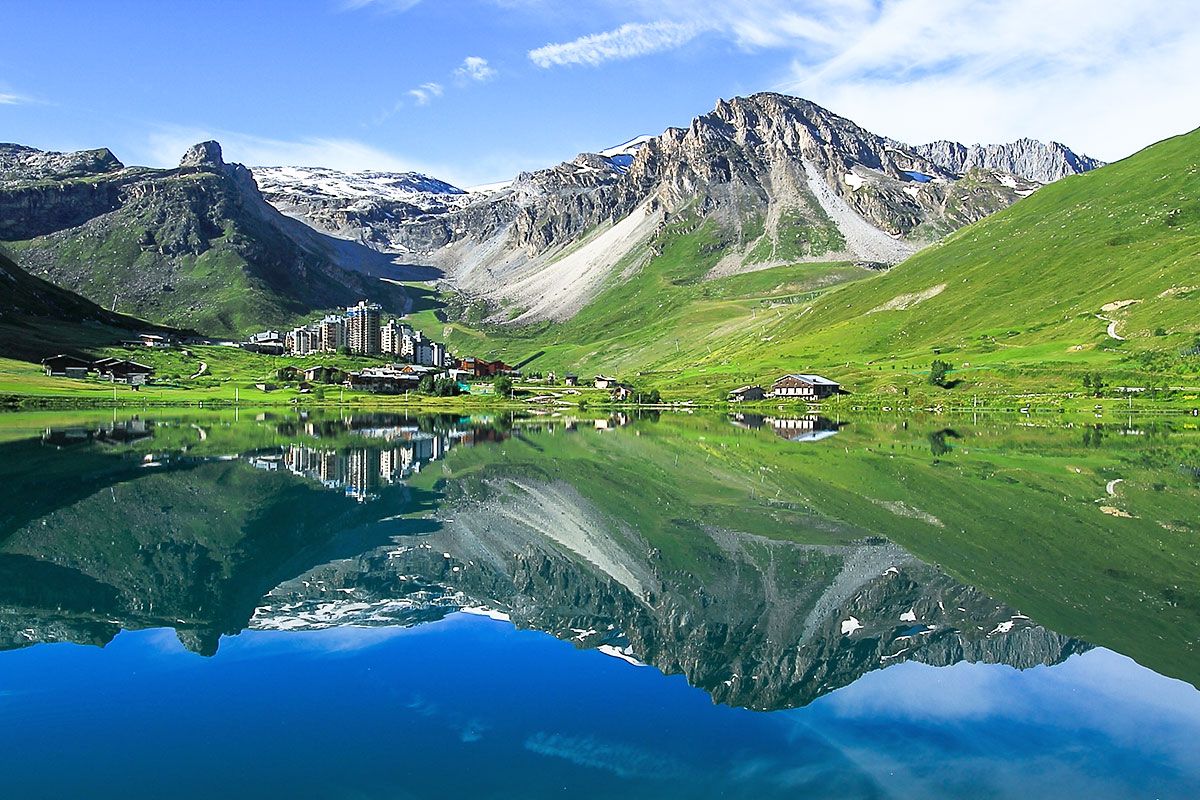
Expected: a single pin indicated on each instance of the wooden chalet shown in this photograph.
(744, 394)
(606, 382)
(482, 368)
(120, 370)
(65, 366)
(806, 387)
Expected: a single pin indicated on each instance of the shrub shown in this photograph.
(938, 371)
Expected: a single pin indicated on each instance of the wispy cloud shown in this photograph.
(623, 760)
(628, 41)
(391, 6)
(11, 98)
(1104, 78)
(425, 93)
(475, 69)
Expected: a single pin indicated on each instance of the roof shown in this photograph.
(66, 357)
(129, 363)
(741, 389)
(813, 379)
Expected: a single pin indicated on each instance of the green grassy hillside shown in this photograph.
(38, 319)
(1024, 298)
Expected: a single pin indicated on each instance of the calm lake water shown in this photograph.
(375, 606)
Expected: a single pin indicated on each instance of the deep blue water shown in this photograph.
(472, 707)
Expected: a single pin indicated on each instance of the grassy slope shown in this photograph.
(642, 321)
(230, 280)
(1021, 293)
(38, 319)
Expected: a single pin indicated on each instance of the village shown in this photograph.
(414, 363)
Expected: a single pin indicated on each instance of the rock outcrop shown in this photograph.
(1028, 158)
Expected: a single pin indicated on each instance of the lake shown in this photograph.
(678, 606)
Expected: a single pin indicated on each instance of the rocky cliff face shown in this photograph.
(782, 179)
(195, 246)
(1027, 158)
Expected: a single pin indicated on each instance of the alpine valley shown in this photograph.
(767, 231)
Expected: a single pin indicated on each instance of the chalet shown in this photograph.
(622, 393)
(482, 368)
(807, 387)
(605, 382)
(383, 380)
(744, 394)
(148, 340)
(64, 366)
(570, 379)
(120, 370)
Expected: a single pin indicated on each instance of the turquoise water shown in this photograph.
(276, 609)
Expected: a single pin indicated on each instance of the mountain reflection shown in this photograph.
(653, 544)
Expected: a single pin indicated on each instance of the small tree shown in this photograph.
(1097, 384)
(344, 350)
(425, 385)
(446, 387)
(938, 371)
(503, 385)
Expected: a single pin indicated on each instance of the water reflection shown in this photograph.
(829, 578)
(762, 612)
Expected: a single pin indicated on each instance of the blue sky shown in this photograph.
(476, 90)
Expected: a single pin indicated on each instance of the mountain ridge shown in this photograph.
(195, 246)
(788, 180)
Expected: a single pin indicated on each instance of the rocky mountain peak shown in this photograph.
(203, 155)
(21, 163)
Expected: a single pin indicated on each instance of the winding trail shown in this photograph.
(203, 369)
(1112, 328)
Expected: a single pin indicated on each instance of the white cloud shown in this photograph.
(1105, 78)
(628, 41)
(425, 92)
(7, 99)
(392, 6)
(476, 69)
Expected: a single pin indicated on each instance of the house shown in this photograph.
(807, 387)
(605, 382)
(570, 379)
(744, 394)
(482, 368)
(65, 366)
(383, 380)
(622, 393)
(119, 370)
(270, 343)
(265, 387)
(317, 374)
